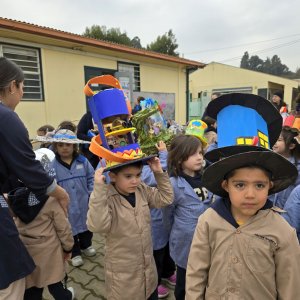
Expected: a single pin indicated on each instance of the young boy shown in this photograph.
(121, 211)
(242, 248)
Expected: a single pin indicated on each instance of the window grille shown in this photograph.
(134, 70)
(29, 60)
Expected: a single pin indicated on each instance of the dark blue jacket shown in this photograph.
(18, 159)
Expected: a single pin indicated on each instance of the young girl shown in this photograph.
(46, 233)
(185, 164)
(75, 174)
(160, 236)
(120, 210)
(288, 146)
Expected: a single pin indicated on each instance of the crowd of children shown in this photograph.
(211, 229)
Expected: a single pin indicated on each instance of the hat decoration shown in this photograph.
(151, 126)
(110, 111)
(248, 126)
(197, 129)
(245, 120)
(61, 136)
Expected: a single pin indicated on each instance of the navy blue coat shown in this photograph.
(16, 158)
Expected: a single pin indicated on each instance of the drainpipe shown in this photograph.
(189, 70)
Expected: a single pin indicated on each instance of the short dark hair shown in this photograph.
(9, 71)
(250, 166)
(139, 99)
(46, 128)
(181, 148)
(67, 125)
(138, 164)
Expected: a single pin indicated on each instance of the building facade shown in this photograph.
(217, 77)
(58, 64)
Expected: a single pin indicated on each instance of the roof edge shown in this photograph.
(72, 37)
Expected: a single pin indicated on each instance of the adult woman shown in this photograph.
(17, 159)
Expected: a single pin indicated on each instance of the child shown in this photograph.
(288, 146)
(185, 164)
(75, 174)
(46, 233)
(242, 247)
(292, 209)
(120, 210)
(160, 236)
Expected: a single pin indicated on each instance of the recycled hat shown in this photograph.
(142, 160)
(61, 136)
(246, 121)
(197, 128)
(283, 172)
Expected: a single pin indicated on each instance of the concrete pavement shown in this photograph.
(88, 280)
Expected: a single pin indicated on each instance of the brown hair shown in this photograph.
(289, 137)
(75, 148)
(46, 128)
(181, 148)
(138, 164)
(67, 125)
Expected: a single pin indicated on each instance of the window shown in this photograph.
(134, 70)
(29, 60)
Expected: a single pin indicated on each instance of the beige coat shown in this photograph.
(259, 260)
(45, 238)
(130, 271)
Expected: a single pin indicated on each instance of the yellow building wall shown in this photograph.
(220, 76)
(165, 79)
(63, 82)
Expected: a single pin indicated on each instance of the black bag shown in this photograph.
(25, 204)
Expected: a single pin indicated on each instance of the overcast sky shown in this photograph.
(211, 30)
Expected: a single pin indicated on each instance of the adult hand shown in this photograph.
(62, 197)
(155, 165)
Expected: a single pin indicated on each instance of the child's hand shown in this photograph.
(155, 165)
(67, 256)
(161, 146)
(99, 178)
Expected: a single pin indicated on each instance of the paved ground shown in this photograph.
(88, 280)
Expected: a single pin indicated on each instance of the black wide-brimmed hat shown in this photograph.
(246, 121)
(283, 172)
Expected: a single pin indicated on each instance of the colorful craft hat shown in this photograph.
(110, 111)
(246, 121)
(151, 126)
(197, 128)
(61, 136)
(248, 126)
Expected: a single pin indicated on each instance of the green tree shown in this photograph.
(112, 35)
(166, 44)
(245, 61)
(136, 42)
(272, 65)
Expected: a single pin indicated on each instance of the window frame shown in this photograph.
(136, 78)
(39, 73)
